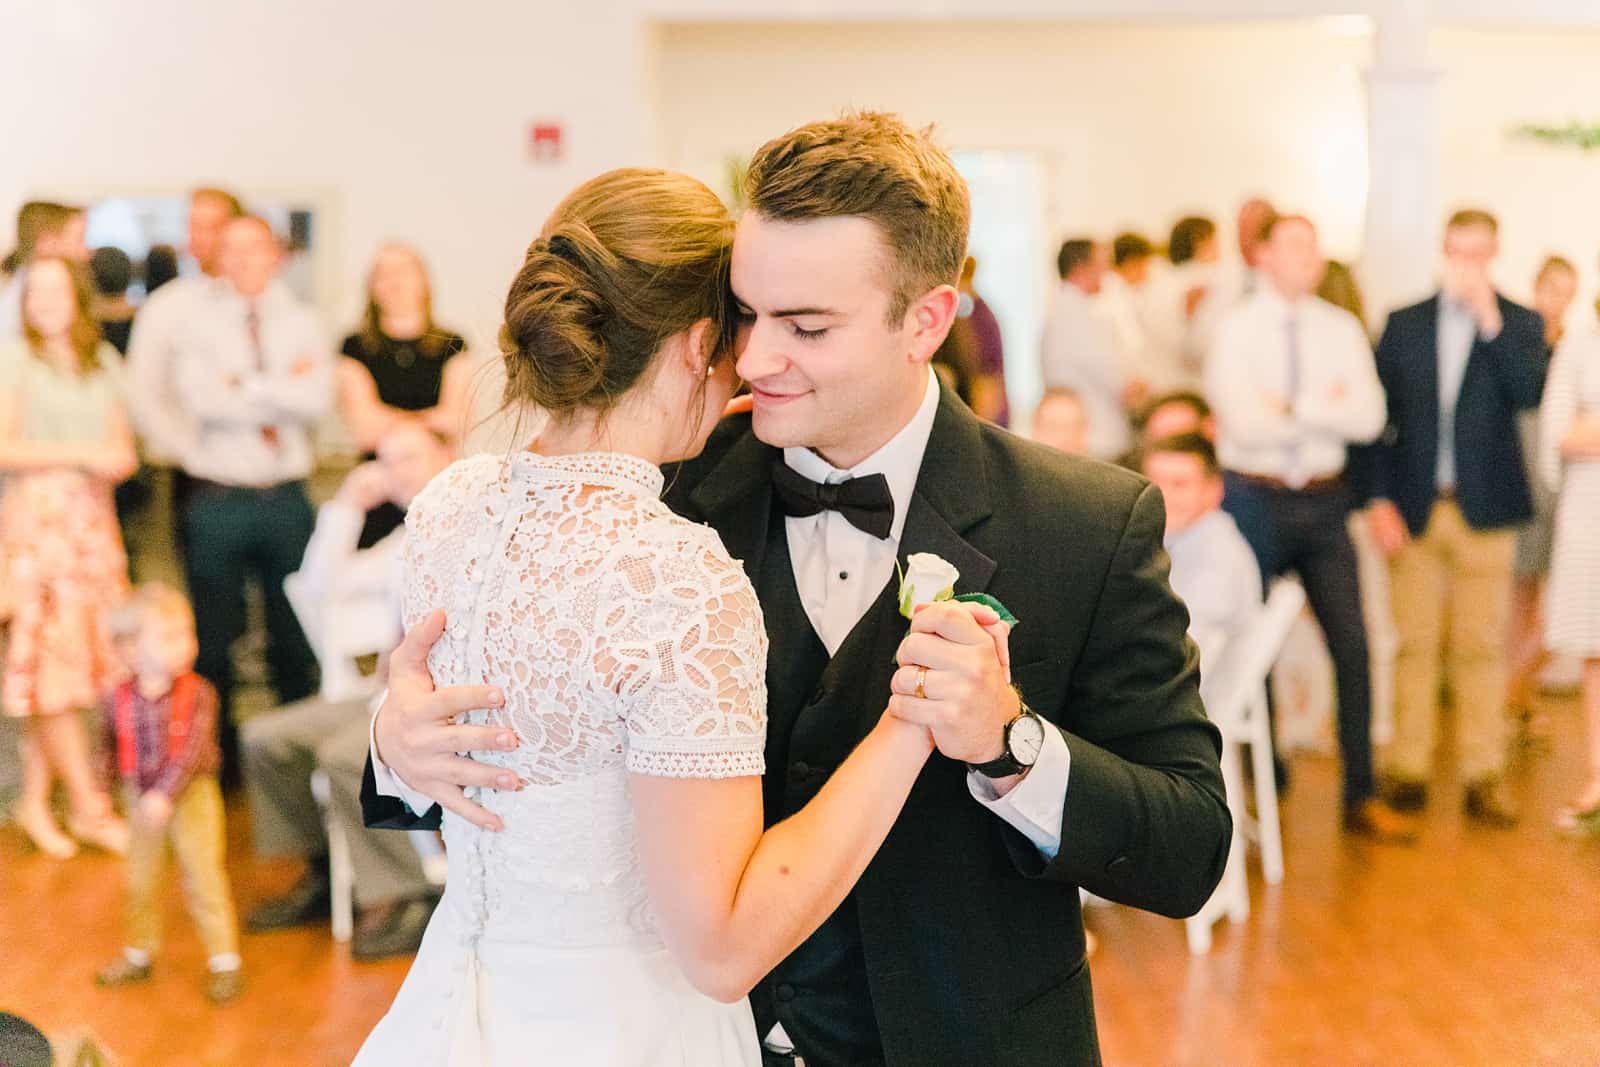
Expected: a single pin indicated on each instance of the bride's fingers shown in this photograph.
(739, 405)
(452, 799)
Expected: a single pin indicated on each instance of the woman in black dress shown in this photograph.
(400, 365)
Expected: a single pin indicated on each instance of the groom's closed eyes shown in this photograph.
(806, 324)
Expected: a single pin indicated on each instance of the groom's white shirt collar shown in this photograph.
(899, 460)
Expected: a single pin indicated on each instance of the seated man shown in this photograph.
(1213, 570)
(347, 600)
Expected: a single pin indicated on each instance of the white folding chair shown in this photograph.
(1237, 704)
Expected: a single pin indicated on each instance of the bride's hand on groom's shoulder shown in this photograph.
(955, 679)
(418, 738)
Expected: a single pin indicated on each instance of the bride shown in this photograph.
(631, 899)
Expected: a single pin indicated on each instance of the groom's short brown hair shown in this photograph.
(871, 165)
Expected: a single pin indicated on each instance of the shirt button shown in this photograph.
(844, 576)
(786, 992)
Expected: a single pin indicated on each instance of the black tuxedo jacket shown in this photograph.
(973, 942)
(1502, 377)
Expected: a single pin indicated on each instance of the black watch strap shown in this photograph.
(1006, 764)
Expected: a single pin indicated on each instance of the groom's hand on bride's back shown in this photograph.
(418, 738)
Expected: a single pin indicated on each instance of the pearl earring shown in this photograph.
(710, 371)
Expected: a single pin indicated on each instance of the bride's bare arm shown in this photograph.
(733, 901)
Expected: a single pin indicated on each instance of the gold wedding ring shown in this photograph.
(922, 676)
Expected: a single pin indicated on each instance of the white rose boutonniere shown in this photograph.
(926, 579)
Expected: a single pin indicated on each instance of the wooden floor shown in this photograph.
(1474, 948)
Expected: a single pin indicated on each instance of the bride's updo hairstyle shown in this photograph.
(626, 261)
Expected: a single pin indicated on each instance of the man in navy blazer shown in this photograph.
(1448, 488)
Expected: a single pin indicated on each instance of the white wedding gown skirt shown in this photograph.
(506, 1004)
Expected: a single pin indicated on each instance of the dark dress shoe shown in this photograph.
(1379, 823)
(224, 986)
(1486, 802)
(1405, 795)
(400, 935)
(310, 901)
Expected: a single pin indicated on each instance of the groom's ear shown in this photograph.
(930, 317)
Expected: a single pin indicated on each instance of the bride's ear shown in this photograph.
(694, 353)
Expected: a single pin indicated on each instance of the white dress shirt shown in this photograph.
(1176, 342)
(164, 424)
(348, 599)
(1118, 306)
(1078, 353)
(1216, 575)
(1269, 424)
(1458, 330)
(823, 546)
(253, 411)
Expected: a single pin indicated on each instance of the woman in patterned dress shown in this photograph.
(1569, 433)
(64, 446)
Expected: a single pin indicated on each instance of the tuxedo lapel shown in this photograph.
(736, 498)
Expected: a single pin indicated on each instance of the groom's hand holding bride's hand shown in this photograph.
(417, 736)
(960, 655)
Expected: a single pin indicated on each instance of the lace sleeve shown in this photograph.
(682, 644)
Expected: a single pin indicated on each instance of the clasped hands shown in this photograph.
(954, 680)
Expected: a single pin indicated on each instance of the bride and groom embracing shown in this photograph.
(724, 805)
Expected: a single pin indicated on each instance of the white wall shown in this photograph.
(408, 118)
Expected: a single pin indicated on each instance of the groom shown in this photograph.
(962, 943)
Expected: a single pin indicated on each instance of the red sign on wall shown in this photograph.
(545, 142)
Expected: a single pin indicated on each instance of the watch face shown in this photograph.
(1026, 739)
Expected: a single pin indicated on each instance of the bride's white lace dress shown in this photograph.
(625, 640)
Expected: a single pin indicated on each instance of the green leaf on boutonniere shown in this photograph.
(989, 602)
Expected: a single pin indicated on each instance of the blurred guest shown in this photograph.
(400, 365)
(1254, 216)
(112, 272)
(45, 230)
(1449, 487)
(1554, 289)
(64, 443)
(160, 267)
(1078, 354)
(351, 597)
(1291, 379)
(1169, 415)
(254, 375)
(1061, 422)
(1183, 306)
(954, 361)
(1121, 296)
(1570, 462)
(160, 743)
(988, 351)
(1213, 569)
(158, 413)
(1338, 287)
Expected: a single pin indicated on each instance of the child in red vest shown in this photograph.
(160, 729)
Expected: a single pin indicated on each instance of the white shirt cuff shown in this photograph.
(388, 783)
(1038, 802)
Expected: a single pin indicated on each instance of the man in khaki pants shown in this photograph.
(1449, 489)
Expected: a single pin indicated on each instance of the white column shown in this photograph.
(1399, 259)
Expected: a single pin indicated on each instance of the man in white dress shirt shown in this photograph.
(153, 400)
(1213, 569)
(254, 374)
(1120, 302)
(349, 601)
(1292, 382)
(1078, 352)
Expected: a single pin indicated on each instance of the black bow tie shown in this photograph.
(865, 503)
